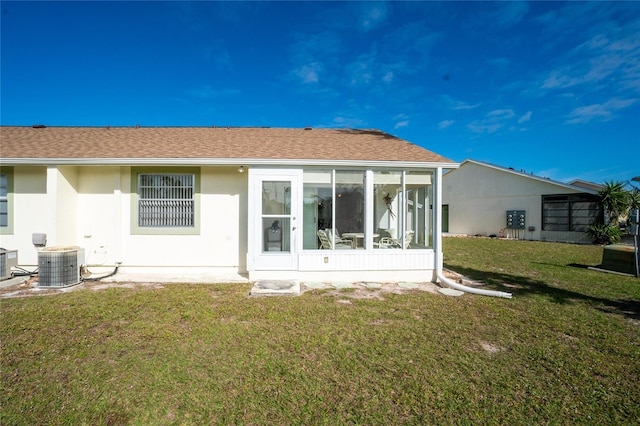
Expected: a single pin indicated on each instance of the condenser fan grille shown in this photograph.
(59, 267)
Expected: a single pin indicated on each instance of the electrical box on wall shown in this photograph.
(516, 219)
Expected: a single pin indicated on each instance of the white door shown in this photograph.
(274, 198)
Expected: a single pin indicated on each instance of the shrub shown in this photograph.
(604, 234)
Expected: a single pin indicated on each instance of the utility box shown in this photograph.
(39, 239)
(8, 259)
(516, 219)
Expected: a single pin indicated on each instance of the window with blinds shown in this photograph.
(166, 200)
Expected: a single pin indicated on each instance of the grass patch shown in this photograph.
(564, 350)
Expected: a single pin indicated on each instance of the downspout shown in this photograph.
(438, 248)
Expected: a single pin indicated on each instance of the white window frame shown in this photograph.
(173, 200)
(8, 200)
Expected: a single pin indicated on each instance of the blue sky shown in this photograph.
(546, 87)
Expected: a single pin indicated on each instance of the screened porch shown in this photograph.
(366, 210)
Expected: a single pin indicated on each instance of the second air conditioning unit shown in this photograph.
(60, 266)
(8, 259)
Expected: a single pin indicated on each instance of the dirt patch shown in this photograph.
(491, 348)
(29, 288)
(365, 291)
(362, 290)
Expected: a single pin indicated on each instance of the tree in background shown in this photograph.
(616, 202)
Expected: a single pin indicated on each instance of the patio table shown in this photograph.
(355, 236)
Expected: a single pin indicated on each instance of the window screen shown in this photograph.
(166, 200)
(572, 212)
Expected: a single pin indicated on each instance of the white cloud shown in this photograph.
(559, 79)
(313, 55)
(483, 127)
(501, 114)
(455, 104)
(445, 123)
(360, 72)
(309, 73)
(602, 61)
(603, 112)
(402, 120)
(524, 118)
(493, 121)
(367, 69)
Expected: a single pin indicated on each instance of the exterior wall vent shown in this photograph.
(8, 259)
(60, 266)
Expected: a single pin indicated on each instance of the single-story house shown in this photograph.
(484, 199)
(284, 203)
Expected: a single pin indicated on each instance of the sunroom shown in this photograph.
(355, 223)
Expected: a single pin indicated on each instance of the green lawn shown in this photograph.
(564, 350)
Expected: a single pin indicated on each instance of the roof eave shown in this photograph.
(224, 162)
(533, 177)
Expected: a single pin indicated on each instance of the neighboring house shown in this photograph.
(484, 199)
(591, 186)
(245, 200)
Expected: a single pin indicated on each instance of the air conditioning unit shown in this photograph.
(60, 266)
(8, 259)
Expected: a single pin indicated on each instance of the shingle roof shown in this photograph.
(208, 143)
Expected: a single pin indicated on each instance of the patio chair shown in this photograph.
(325, 241)
(387, 242)
(338, 237)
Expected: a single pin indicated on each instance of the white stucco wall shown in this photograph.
(30, 210)
(222, 241)
(479, 197)
(62, 198)
(90, 207)
(100, 211)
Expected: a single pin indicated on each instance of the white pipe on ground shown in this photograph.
(456, 286)
(438, 247)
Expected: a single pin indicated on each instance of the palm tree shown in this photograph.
(634, 199)
(615, 200)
